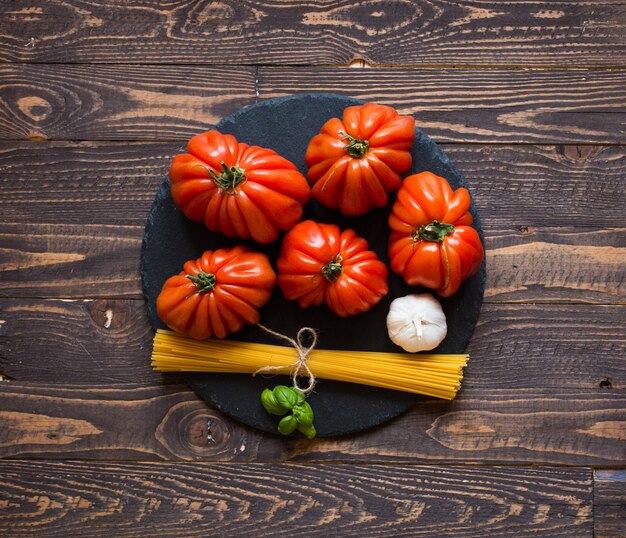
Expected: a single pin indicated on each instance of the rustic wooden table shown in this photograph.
(529, 100)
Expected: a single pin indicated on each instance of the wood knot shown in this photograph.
(35, 107)
(202, 429)
(107, 315)
(359, 63)
(606, 383)
(203, 432)
(578, 154)
(190, 430)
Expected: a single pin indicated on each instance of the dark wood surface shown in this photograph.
(201, 499)
(609, 501)
(172, 102)
(318, 32)
(528, 99)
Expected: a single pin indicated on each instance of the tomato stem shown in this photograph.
(230, 177)
(435, 231)
(356, 148)
(203, 281)
(333, 269)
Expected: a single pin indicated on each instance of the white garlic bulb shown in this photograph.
(416, 322)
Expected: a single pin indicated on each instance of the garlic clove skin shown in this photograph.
(416, 322)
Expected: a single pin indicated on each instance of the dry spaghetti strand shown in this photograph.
(437, 375)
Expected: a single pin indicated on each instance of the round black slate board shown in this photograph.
(286, 125)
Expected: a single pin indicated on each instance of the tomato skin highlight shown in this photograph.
(354, 163)
(237, 282)
(258, 194)
(432, 242)
(320, 264)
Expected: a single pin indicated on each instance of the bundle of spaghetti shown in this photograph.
(437, 375)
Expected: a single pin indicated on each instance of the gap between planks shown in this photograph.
(520, 67)
(325, 463)
(135, 141)
(136, 298)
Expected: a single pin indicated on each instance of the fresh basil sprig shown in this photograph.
(281, 401)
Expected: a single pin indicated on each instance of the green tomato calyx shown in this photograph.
(203, 281)
(435, 231)
(356, 148)
(230, 177)
(333, 269)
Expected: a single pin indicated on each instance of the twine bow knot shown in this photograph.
(299, 368)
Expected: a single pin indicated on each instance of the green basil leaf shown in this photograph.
(285, 396)
(305, 415)
(287, 425)
(309, 431)
(270, 404)
(298, 412)
(300, 395)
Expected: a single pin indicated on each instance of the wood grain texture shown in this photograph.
(165, 421)
(172, 103)
(87, 182)
(458, 105)
(43, 341)
(609, 503)
(318, 32)
(537, 264)
(118, 102)
(513, 185)
(174, 499)
(70, 260)
(74, 217)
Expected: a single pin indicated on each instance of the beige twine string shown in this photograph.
(300, 366)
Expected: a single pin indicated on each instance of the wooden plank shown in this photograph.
(101, 261)
(109, 341)
(513, 185)
(121, 421)
(70, 260)
(546, 265)
(119, 102)
(538, 186)
(459, 105)
(95, 341)
(609, 503)
(424, 32)
(87, 182)
(174, 499)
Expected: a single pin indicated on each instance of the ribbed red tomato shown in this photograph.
(319, 263)
(236, 189)
(354, 163)
(218, 293)
(432, 242)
